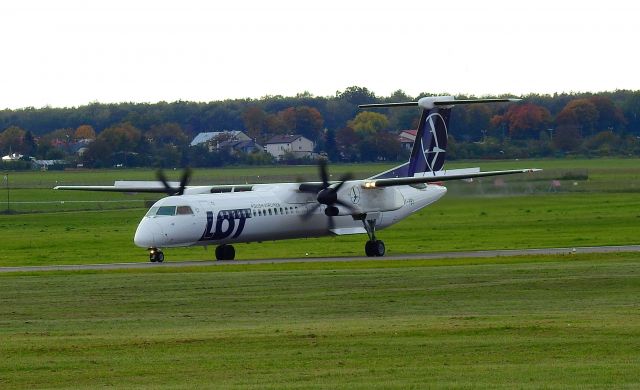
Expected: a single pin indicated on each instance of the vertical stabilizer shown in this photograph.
(429, 150)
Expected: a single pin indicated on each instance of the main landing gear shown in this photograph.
(156, 255)
(225, 252)
(373, 247)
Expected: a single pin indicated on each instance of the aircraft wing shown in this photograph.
(131, 186)
(123, 186)
(374, 183)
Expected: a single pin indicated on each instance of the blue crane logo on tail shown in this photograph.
(436, 142)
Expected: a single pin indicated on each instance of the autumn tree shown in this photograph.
(303, 120)
(275, 125)
(524, 120)
(98, 154)
(58, 136)
(347, 143)
(167, 134)
(254, 119)
(122, 137)
(164, 144)
(602, 144)
(567, 137)
(11, 140)
(113, 145)
(85, 132)
(609, 116)
(579, 113)
(368, 122)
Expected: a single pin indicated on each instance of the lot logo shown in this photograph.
(228, 222)
(436, 143)
(354, 194)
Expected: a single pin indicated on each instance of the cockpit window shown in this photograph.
(166, 210)
(169, 210)
(184, 210)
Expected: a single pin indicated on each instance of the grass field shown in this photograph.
(522, 322)
(534, 221)
(550, 322)
(32, 191)
(602, 209)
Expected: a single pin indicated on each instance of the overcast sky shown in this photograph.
(73, 52)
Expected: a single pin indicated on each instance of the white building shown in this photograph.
(297, 145)
(406, 138)
(12, 157)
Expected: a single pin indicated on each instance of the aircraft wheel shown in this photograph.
(374, 248)
(379, 248)
(368, 248)
(225, 252)
(155, 255)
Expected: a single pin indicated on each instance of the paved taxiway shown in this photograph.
(427, 256)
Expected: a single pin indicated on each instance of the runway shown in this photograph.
(418, 256)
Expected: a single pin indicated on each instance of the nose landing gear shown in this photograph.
(156, 255)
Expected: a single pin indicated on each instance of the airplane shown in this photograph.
(223, 215)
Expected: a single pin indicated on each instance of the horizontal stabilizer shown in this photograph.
(438, 178)
(430, 102)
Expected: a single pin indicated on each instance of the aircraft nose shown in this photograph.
(147, 234)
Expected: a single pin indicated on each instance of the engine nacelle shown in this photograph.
(370, 199)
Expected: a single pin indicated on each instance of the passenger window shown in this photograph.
(269, 211)
(166, 210)
(184, 210)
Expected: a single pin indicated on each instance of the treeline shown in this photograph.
(158, 134)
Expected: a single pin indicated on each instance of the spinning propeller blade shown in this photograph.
(184, 181)
(326, 194)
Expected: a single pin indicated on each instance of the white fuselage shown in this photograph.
(272, 212)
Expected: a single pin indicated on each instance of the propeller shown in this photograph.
(326, 194)
(184, 180)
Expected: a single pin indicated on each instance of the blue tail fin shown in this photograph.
(430, 147)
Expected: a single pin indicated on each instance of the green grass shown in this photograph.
(452, 224)
(561, 220)
(564, 322)
(623, 168)
(32, 191)
(509, 322)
